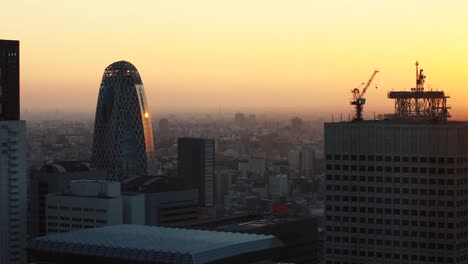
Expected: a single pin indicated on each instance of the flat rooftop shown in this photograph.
(155, 244)
(401, 122)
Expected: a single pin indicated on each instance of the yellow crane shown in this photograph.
(358, 99)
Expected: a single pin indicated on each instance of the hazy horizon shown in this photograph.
(235, 56)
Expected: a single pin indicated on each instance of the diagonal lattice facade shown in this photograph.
(123, 137)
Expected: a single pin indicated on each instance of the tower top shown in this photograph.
(420, 105)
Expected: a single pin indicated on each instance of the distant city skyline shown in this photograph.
(239, 55)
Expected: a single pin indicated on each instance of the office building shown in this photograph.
(54, 177)
(302, 243)
(123, 137)
(149, 244)
(395, 192)
(13, 192)
(257, 165)
(303, 161)
(396, 188)
(196, 166)
(9, 80)
(278, 185)
(167, 202)
(13, 160)
(307, 167)
(89, 204)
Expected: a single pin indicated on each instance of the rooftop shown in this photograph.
(62, 166)
(155, 244)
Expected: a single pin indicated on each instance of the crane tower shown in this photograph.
(358, 99)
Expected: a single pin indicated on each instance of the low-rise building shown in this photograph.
(90, 204)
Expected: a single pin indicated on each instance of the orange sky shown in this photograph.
(300, 55)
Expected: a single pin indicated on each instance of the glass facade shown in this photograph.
(123, 136)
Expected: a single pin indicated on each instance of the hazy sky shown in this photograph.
(242, 54)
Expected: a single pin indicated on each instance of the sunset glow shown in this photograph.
(227, 55)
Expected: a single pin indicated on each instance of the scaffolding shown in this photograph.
(420, 105)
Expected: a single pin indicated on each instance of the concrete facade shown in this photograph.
(396, 192)
(91, 204)
(13, 192)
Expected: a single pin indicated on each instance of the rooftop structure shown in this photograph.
(9, 80)
(62, 166)
(151, 245)
(299, 235)
(418, 104)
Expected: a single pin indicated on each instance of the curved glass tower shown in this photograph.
(123, 138)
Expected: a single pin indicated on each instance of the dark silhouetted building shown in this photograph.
(296, 124)
(125, 244)
(196, 166)
(13, 160)
(302, 243)
(167, 202)
(239, 120)
(9, 80)
(163, 127)
(123, 137)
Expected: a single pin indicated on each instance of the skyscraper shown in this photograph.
(163, 127)
(196, 165)
(9, 80)
(396, 189)
(13, 162)
(123, 137)
(396, 192)
(296, 124)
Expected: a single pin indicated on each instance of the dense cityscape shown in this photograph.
(141, 179)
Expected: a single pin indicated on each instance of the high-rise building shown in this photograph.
(196, 165)
(257, 166)
(396, 189)
(396, 192)
(307, 162)
(9, 80)
(123, 137)
(302, 160)
(296, 124)
(13, 162)
(278, 185)
(13, 189)
(239, 120)
(163, 127)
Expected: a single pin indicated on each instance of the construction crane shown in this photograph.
(358, 99)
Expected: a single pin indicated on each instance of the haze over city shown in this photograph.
(239, 55)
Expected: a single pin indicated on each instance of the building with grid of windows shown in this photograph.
(13, 159)
(90, 204)
(13, 192)
(396, 192)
